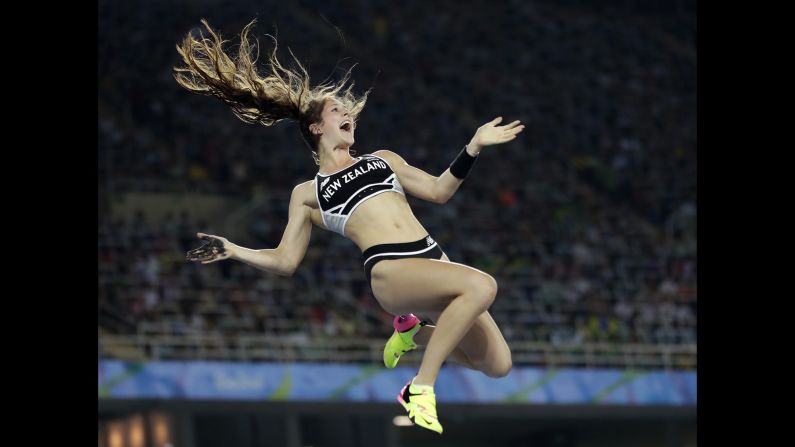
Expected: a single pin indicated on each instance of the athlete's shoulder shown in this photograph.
(388, 155)
(304, 194)
(303, 191)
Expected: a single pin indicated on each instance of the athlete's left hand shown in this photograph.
(490, 134)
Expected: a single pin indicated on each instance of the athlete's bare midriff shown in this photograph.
(384, 219)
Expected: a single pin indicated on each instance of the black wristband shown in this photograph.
(462, 164)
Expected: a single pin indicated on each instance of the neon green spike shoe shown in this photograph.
(402, 340)
(420, 402)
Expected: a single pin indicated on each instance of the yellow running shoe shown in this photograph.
(420, 402)
(402, 340)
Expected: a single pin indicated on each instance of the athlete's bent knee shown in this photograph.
(495, 368)
(483, 289)
(500, 368)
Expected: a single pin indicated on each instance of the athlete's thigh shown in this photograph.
(484, 342)
(484, 339)
(424, 285)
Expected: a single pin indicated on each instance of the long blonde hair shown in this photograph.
(283, 94)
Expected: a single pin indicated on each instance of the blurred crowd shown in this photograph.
(587, 220)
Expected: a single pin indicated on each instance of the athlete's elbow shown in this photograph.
(289, 269)
(441, 198)
(284, 266)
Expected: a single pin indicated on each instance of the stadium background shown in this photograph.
(587, 221)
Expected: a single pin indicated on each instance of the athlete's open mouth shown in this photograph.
(346, 126)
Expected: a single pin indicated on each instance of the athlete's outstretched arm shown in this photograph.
(282, 260)
(440, 189)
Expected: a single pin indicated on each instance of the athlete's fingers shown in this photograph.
(507, 138)
(511, 125)
(215, 257)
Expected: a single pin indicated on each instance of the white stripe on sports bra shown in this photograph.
(385, 182)
(400, 253)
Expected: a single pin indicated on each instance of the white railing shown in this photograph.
(302, 348)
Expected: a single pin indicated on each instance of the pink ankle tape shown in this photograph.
(402, 323)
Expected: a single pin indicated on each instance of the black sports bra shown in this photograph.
(341, 192)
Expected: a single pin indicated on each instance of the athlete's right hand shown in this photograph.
(215, 248)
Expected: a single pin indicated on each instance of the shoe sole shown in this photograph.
(400, 398)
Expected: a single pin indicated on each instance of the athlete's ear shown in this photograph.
(315, 129)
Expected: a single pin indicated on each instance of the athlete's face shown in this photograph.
(336, 125)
